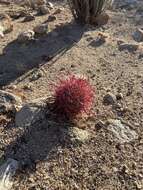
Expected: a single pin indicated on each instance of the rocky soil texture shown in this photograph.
(40, 43)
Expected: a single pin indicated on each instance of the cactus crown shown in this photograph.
(73, 96)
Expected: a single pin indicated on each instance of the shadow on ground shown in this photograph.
(21, 58)
(38, 142)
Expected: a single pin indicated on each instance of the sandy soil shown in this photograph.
(52, 163)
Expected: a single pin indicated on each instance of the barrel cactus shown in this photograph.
(85, 10)
(73, 96)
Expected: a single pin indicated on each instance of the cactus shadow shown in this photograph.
(19, 59)
(39, 142)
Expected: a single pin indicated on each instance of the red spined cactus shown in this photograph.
(73, 96)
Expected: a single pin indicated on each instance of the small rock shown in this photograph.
(1, 31)
(117, 106)
(23, 13)
(115, 169)
(100, 124)
(100, 20)
(43, 10)
(59, 25)
(30, 113)
(120, 41)
(50, 5)
(121, 132)
(8, 101)
(41, 29)
(75, 135)
(7, 171)
(139, 185)
(131, 47)
(15, 15)
(119, 96)
(29, 17)
(58, 11)
(126, 109)
(137, 124)
(125, 169)
(109, 99)
(13, 87)
(52, 18)
(78, 135)
(36, 75)
(6, 23)
(138, 35)
(141, 56)
(101, 39)
(26, 36)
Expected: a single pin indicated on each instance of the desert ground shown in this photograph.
(112, 59)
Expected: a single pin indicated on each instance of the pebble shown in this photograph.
(26, 36)
(50, 5)
(23, 13)
(121, 132)
(101, 19)
(139, 185)
(13, 87)
(118, 106)
(7, 171)
(125, 169)
(76, 135)
(109, 99)
(43, 10)
(29, 18)
(141, 56)
(138, 35)
(120, 41)
(137, 124)
(30, 113)
(15, 15)
(80, 135)
(36, 75)
(119, 96)
(100, 40)
(100, 124)
(6, 24)
(115, 169)
(8, 101)
(52, 18)
(1, 31)
(41, 29)
(131, 47)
